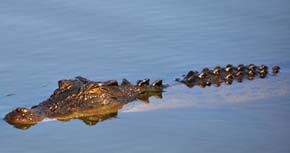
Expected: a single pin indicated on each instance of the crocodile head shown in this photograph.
(23, 117)
(68, 93)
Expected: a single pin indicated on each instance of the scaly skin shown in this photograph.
(83, 99)
(96, 101)
(227, 75)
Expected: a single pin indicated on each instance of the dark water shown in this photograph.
(44, 41)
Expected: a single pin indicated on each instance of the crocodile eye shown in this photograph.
(65, 84)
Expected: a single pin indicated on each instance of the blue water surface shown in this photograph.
(42, 42)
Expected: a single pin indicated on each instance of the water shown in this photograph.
(45, 41)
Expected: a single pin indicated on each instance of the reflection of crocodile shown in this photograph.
(96, 101)
(84, 99)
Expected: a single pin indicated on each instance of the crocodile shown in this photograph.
(95, 101)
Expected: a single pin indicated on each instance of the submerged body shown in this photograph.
(92, 101)
(81, 98)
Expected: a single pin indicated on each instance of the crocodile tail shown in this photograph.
(226, 75)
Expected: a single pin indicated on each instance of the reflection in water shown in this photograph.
(93, 120)
(88, 120)
(89, 117)
(93, 102)
(93, 116)
(86, 100)
(237, 93)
